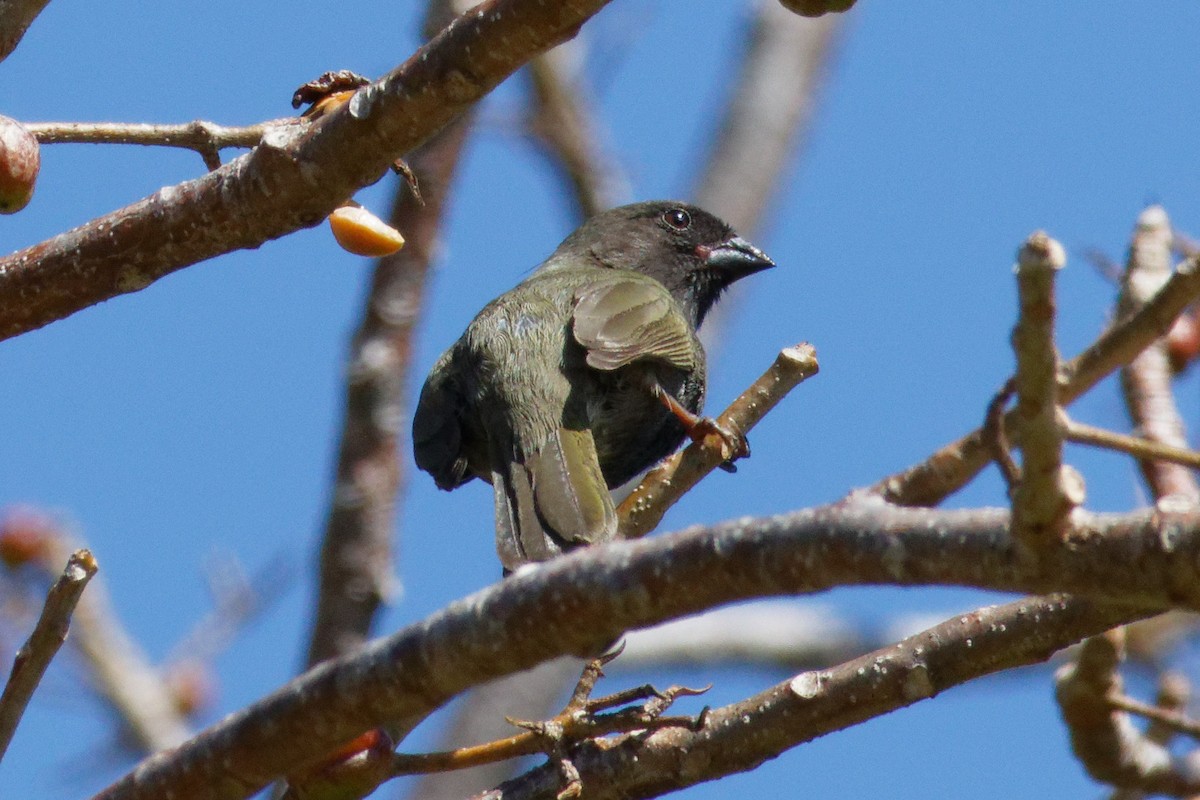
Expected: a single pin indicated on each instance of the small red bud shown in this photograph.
(1183, 342)
(26, 536)
(191, 686)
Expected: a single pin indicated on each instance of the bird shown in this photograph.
(582, 376)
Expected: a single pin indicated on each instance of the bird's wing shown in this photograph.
(437, 427)
(632, 318)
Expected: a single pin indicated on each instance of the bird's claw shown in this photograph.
(731, 444)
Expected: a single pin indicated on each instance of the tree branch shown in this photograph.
(770, 108)
(206, 138)
(293, 179)
(356, 554)
(48, 636)
(1147, 380)
(664, 485)
(953, 466)
(1147, 560)
(1104, 738)
(1048, 490)
(15, 18)
(740, 736)
(564, 124)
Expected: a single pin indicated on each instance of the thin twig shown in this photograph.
(206, 138)
(48, 635)
(1048, 490)
(117, 670)
(996, 436)
(1081, 433)
(1176, 721)
(644, 508)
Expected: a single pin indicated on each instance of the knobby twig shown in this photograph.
(48, 636)
(662, 487)
(206, 138)
(740, 736)
(1103, 736)
(15, 18)
(1147, 380)
(356, 561)
(1141, 560)
(563, 122)
(953, 466)
(1048, 490)
(293, 179)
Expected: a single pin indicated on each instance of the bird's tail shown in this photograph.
(554, 501)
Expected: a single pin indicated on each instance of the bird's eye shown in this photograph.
(678, 219)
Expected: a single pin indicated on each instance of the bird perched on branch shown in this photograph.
(583, 375)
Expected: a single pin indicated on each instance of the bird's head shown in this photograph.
(693, 253)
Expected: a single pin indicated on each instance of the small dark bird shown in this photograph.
(583, 375)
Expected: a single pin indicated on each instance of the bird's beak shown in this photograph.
(736, 257)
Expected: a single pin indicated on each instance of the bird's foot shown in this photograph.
(730, 443)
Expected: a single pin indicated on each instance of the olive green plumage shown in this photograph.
(550, 393)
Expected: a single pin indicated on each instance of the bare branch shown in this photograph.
(563, 121)
(996, 437)
(293, 179)
(15, 18)
(662, 487)
(740, 736)
(206, 138)
(356, 554)
(1136, 446)
(770, 108)
(1146, 560)
(1048, 490)
(1104, 738)
(118, 670)
(953, 466)
(1147, 380)
(769, 632)
(48, 635)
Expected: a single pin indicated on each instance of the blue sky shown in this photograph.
(199, 417)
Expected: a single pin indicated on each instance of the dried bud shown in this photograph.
(816, 8)
(191, 686)
(20, 161)
(360, 232)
